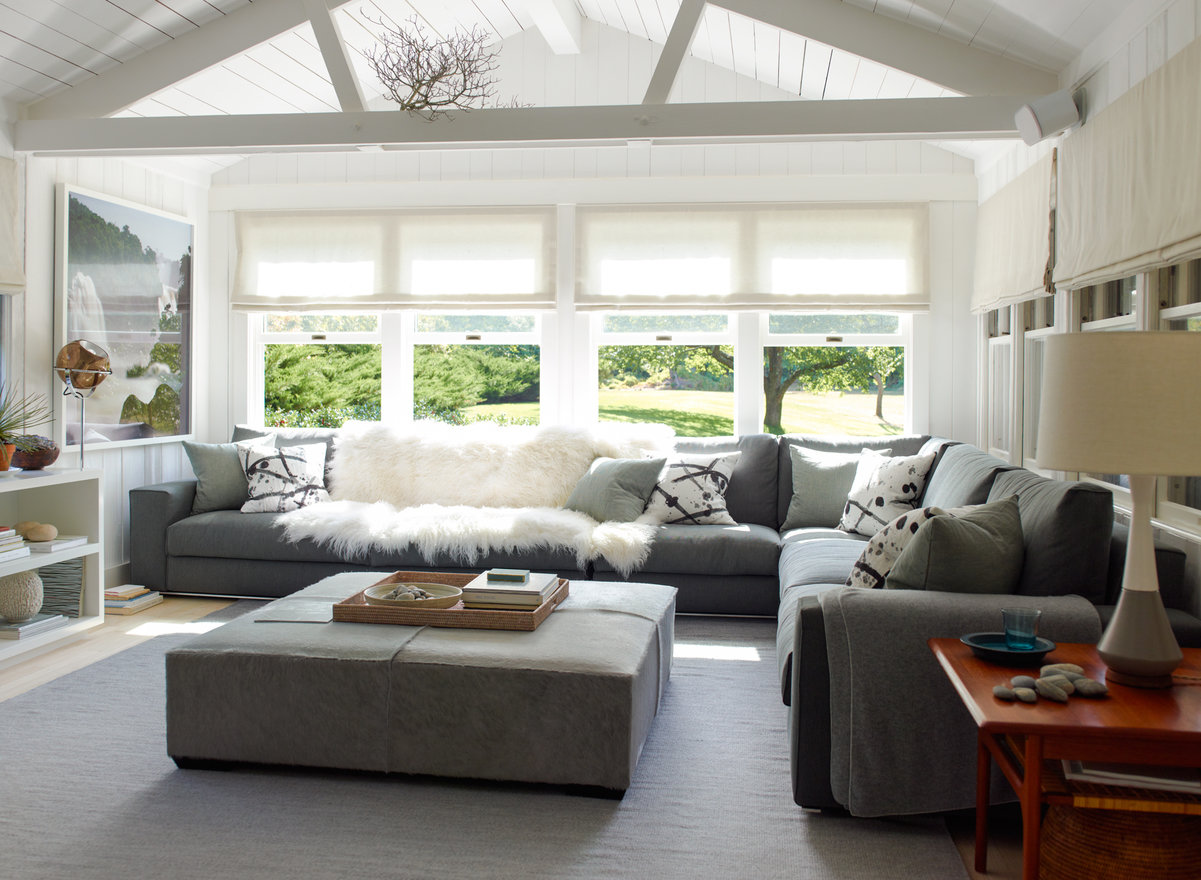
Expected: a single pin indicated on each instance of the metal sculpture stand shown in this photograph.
(81, 394)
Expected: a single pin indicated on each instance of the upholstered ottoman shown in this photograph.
(569, 703)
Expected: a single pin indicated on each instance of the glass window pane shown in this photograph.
(1000, 368)
(827, 323)
(1030, 400)
(640, 322)
(457, 323)
(1185, 490)
(321, 386)
(857, 390)
(690, 387)
(308, 323)
(1189, 324)
(474, 383)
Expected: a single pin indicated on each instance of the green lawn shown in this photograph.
(711, 413)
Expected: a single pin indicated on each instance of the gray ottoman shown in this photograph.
(569, 703)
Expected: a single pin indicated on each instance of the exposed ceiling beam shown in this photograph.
(924, 118)
(559, 23)
(941, 60)
(683, 29)
(333, 50)
(168, 63)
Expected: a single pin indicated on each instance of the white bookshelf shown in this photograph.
(73, 501)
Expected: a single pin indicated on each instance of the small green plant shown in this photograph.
(20, 411)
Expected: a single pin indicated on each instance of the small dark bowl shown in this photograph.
(35, 459)
(992, 647)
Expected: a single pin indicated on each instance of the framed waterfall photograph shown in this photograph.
(123, 280)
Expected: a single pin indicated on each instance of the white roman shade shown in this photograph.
(1013, 240)
(12, 276)
(1130, 180)
(753, 257)
(328, 260)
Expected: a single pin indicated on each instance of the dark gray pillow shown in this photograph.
(976, 551)
(220, 480)
(616, 489)
(820, 484)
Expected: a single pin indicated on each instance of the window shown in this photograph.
(320, 370)
(1038, 321)
(1108, 306)
(476, 368)
(1179, 500)
(677, 369)
(1001, 405)
(834, 373)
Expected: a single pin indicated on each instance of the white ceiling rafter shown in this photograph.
(760, 121)
(679, 38)
(559, 22)
(333, 50)
(895, 44)
(169, 63)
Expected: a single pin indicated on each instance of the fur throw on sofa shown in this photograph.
(469, 490)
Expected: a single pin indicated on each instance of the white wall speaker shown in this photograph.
(1046, 117)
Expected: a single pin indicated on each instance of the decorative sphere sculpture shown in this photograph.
(78, 356)
(20, 596)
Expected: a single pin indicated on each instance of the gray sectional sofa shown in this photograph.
(844, 654)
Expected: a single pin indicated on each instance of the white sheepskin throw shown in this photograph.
(464, 491)
(466, 533)
(478, 465)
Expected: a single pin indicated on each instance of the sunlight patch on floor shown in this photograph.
(692, 651)
(164, 628)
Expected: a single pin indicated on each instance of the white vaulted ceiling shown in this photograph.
(50, 50)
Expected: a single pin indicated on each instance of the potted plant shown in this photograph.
(18, 412)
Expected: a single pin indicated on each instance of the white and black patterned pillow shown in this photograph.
(283, 478)
(692, 490)
(884, 488)
(877, 558)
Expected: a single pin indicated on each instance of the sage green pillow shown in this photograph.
(220, 481)
(821, 482)
(616, 489)
(978, 550)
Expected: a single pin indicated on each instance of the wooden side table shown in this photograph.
(1028, 741)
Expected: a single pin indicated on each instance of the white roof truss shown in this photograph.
(704, 123)
(559, 23)
(333, 50)
(683, 29)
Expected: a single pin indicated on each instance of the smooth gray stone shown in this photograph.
(1026, 695)
(1050, 691)
(1052, 668)
(1004, 693)
(1022, 681)
(1061, 682)
(1087, 687)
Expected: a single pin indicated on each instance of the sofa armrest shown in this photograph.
(152, 510)
(809, 710)
(901, 740)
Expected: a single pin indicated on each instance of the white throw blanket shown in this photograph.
(467, 491)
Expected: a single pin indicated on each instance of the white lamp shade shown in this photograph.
(1121, 403)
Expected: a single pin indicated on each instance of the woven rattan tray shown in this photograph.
(356, 610)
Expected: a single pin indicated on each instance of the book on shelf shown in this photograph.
(39, 623)
(62, 542)
(126, 592)
(1187, 779)
(16, 553)
(7, 531)
(132, 606)
(12, 543)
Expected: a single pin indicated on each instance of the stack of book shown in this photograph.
(62, 542)
(130, 599)
(12, 545)
(39, 623)
(509, 589)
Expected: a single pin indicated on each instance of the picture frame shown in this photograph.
(123, 281)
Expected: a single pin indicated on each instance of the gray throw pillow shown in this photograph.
(220, 479)
(976, 551)
(616, 489)
(821, 482)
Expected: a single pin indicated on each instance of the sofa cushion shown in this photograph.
(220, 478)
(884, 489)
(961, 475)
(885, 547)
(909, 444)
(228, 534)
(615, 489)
(821, 482)
(743, 549)
(751, 495)
(978, 550)
(691, 490)
(1066, 530)
(817, 562)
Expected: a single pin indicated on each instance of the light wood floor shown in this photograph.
(118, 633)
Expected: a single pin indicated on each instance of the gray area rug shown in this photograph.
(87, 791)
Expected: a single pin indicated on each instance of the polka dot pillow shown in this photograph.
(884, 488)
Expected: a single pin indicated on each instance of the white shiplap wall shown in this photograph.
(33, 325)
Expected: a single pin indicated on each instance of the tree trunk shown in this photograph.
(773, 392)
(879, 395)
